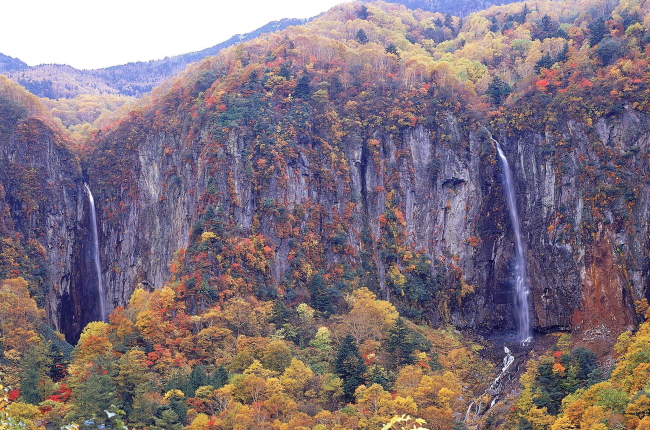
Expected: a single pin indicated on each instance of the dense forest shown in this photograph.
(299, 291)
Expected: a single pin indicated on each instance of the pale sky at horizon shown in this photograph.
(90, 34)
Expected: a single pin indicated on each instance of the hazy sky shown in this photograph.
(89, 34)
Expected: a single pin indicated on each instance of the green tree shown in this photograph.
(320, 297)
(168, 421)
(597, 31)
(131, 370)
(219, 378)
(349, 366)
(392, 49)
(401, 344)
(198, 378)
(35, 383)
(303, 88)
(498, 90)
(91, 397)
(608, 50)
(362, 38)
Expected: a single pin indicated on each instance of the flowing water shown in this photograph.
(521, 284)
(98, 266)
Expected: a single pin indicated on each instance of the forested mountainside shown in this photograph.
(451, 7)
(56, 81)
(309, 230)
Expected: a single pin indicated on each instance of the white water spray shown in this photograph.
(98, 266)
(521, 284)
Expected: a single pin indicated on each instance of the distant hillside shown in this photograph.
(132, 79)
(452, 7)
(10, 63)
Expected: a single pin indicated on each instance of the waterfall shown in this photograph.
(98, 266)
(521, 284)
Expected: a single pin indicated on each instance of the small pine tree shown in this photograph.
(349, 366)
(401, 344)
(362, 38)
(545, 62)
(392, 49)
(363, 12)
(303, 89)
(198, 378)
(498, 90)
(597, 31)
(168, 421)
(219, 378)
(35, 375)
(320, 297)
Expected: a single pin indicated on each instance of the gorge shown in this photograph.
(342, 224)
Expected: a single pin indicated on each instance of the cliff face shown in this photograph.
(582, 197)
(44, 223)
(145, 210)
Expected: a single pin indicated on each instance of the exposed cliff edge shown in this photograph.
(585, 270)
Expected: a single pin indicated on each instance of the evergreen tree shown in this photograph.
(280, 314)
(401, 344)
(362, 38)
(179, 408)
(349, 366)
(545, 62)
(550, 393)
(130, 374)
(609, 50)
(320, 297)
(219, 377)
(363, 12)
(169, 420)
(90, 398)
(597, 31)
(198, 378)
(303, 89)
(392, 49)
(35, 381)
(378, 375)
(498, 90)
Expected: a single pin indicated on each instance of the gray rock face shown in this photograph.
(583, 197)
(44, 210)
(582, 194)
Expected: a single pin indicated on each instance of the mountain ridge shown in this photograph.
(131, 79)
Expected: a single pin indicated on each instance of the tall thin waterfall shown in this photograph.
(98, 266)
(521, 283)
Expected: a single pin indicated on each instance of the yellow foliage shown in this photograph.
(201, 422)
(208, 236)
(174, 394)
(369, 318)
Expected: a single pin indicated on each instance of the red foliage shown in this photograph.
(13, 394)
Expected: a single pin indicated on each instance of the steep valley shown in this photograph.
(268, 196)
